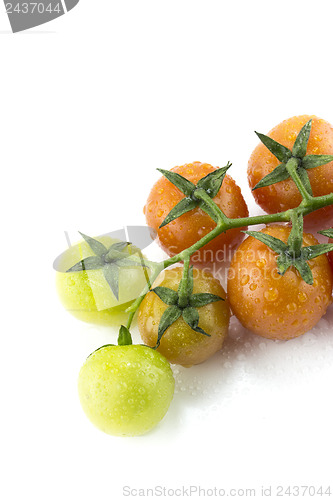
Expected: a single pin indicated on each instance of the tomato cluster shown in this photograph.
(279, 281)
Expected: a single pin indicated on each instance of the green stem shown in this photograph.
(201, 194)
(183, 285)
(295, 239)
(291, 167)
(157, 269)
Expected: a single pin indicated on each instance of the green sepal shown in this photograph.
(301, 142)
(185, 186)
(202, 299)
(313, 161)
(87, 264)
(114, 255)
(124, 337)
(303, 175)
(111, 274)
(168, 296)
(273, 243)
(96, 246)
(128, 262)
(304, 270)
(280, 173)
(313, 251)
(212, 182)
(283, 263)
(170, 315)
(327, 232)
(119, 246)
(208, 210)
(191, 317)
(279, 151)
(185, 205)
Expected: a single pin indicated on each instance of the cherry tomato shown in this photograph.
(87, 295)
(271, 305)
(284, 195)
(190, 227)
(125, 390)
(180, 344)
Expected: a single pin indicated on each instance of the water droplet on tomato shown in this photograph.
(271, 294)
(302, 297)
(291, 307)
(244, 279)
(261, 263)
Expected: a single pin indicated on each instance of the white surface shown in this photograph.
(100, 98)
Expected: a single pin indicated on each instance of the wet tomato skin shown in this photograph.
(274, 306)
(190, 227)
(284, 195)
(180, 344)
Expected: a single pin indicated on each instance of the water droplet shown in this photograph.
(292, 307)
(302, 297)
(261, 263)
(295, 323)
(245, 279)
(271, 294)
(253, 286)
(159, 213)
(160, 191)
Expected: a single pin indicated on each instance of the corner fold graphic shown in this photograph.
(24, 15)
(70, 4)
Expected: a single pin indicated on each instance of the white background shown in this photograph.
(90, 105)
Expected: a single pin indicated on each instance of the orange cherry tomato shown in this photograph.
(284, 195)
(192, 226)
(180, 344)
(271, 305)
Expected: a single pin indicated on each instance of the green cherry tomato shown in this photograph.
(125, 390)
(87, 295)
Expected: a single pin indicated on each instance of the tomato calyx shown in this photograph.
(211, 184)
(182, 303)
(110, 260)
(327, 232)
(289, 256)
(301, 161)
